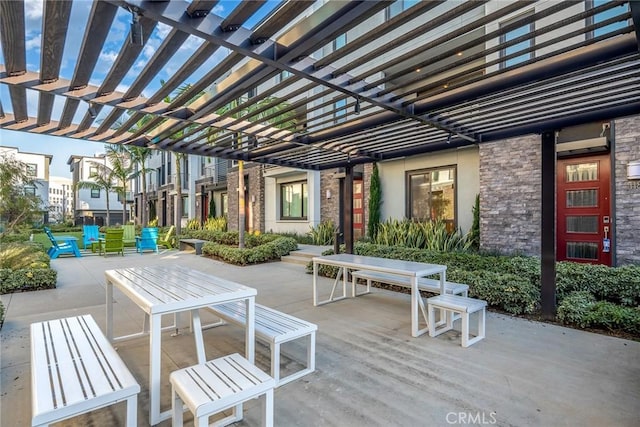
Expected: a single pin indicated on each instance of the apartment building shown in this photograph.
(37, 167)
(90, 204)
(60, 199)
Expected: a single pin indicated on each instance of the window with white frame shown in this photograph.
(294, 200)
(431, 195)
(524, 43)
(93, 171)
(30, 191)
(95, 193)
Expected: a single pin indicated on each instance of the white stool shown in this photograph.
(217, 385)
(456, 304)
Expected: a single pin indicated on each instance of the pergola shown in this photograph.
(429, 78)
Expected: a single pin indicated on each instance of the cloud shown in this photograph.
(109, 56)
(163, 30)
(34, 43)
(33, 9)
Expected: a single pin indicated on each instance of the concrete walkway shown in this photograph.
(370, 371)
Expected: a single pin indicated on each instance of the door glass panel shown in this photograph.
(582, 224)
(582, 198)
(582, 250)
(357, 203)
(582, 172)
(357, 218)
(357, 187)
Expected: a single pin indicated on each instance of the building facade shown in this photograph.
(60, 199)
(38, 168)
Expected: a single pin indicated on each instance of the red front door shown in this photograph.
(358, 209)
(584, 210)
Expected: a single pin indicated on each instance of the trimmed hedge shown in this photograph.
(1, 314)
(229, 238)
(27, 279)
(581, 308)
(25, 267)
(251, 255)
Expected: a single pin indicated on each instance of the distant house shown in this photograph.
(38, 167)
(60, 199)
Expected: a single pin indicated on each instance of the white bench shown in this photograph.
(424, 284)
(196, 244)
(220, 384)
(456, 304)
(75, 370)
(274, 328)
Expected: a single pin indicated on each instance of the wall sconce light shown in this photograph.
(449, 138)
(135, 33)
(92, 111)
(356, 108)
(633, 170)
(328, 194)
(253, 198)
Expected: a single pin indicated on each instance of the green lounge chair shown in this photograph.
(129, 235)
(112, 242)
(169, 239)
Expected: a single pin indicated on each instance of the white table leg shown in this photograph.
(443, 281)
(250, 338)
(415, 294)
(155, 349)
(197, 335)
(109, 293)
(315, 284)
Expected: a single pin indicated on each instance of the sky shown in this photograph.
(62, 148)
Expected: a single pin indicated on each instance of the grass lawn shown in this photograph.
(42, 238)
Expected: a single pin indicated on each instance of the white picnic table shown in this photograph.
(160, 290)
(411, 269)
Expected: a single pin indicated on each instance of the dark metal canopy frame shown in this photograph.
(429, 78)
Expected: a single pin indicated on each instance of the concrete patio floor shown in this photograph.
(370, 371)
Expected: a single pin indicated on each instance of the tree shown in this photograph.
(375, 201)
(122, 170)
(17, 206)
(102, 179)
(139, 156)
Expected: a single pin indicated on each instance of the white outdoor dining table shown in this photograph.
(411, 269)
(163, 290)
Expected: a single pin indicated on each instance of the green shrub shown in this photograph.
(27, 279)
(193, 224)
(216, 224)
(1, 314)
(323, 233)
(507, 292)
(23, 255)
(430, 235)
(574, 307)
(14, 237)
(268, 251)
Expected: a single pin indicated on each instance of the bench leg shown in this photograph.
(434, 331)
(466, 339)
(132, 411)
(176, 408)
(275, 362)
(267, 408)
(354, 283)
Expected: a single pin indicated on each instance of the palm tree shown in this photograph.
(139, 157)
(102, 180)
(122, 170)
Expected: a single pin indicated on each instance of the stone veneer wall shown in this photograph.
(254, 179)
(510, 195)
(329, 208)
(627, 208)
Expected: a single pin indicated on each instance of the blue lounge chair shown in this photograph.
(90, 235)
(148, 239)
(58, 249)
